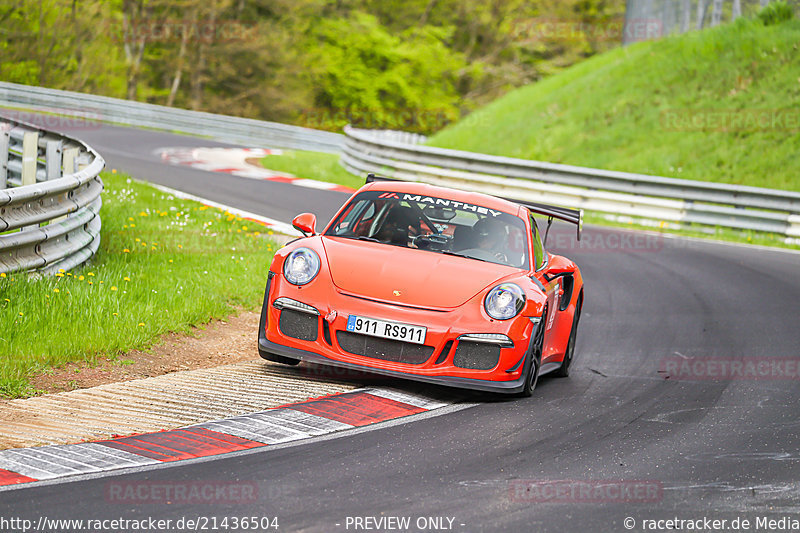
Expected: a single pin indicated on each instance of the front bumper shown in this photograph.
(322, 345)
(508, 387)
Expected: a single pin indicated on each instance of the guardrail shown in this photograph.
(618, 193)
(237, 130)
(49, 199)
(402, 155)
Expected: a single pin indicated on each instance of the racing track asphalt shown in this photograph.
(714, 448)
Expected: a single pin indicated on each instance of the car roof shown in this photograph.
(412, 187)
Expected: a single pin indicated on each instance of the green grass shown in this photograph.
(318, 166)
(164, 265)
(626, 109)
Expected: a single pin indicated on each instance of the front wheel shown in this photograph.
(531, 378)
(534, 359)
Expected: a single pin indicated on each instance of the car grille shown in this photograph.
(476, 355)
(384, 349)
(298, 325)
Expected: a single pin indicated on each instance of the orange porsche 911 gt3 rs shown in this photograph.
(426, 283)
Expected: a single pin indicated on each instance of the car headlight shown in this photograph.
(504, 301)
(301, 266)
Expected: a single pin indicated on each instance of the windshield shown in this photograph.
(437, 225)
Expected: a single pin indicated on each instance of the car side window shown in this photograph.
(352, 218)
(538, 248)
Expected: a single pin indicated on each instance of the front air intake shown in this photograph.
(476, 355)
(298, 325)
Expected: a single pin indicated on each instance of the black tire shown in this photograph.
(531, 378)
(534, 359)
(563, 370)
(262, 324)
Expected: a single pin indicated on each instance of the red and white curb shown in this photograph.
(234, 161)
(287, 423)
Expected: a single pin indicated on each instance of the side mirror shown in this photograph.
(559, 266)
(305, 223)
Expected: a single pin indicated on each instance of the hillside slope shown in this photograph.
(718, 105)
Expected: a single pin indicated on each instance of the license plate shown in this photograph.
(386, 330)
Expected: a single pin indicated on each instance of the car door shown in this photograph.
(556, 320)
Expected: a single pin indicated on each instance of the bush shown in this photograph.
(775, 13)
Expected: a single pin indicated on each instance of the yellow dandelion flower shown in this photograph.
(133, 225)
(126, 251)
(113, 170)
(113, 288)
(90, 283)
(138, 239)
(170, 260)
(180, 246)
(142, 214)
(56, 290)
(126, 278)
(141, 324)
(61, 270)
(2, 274)
(101, 282)
(91, 273)
(115, 314)
(125, 226)
(21, 313)
(80, 278)
(59, 275)
(130, 219)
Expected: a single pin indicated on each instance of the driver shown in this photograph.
(395, 228)
(490, 235)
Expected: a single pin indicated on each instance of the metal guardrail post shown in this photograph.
(4, 139)
(30, 149)
(69, 157)
(53, 160)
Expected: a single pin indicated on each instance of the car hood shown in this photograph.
(422, 278)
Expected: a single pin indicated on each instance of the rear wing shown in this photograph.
(573, 216)
(372, 177)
